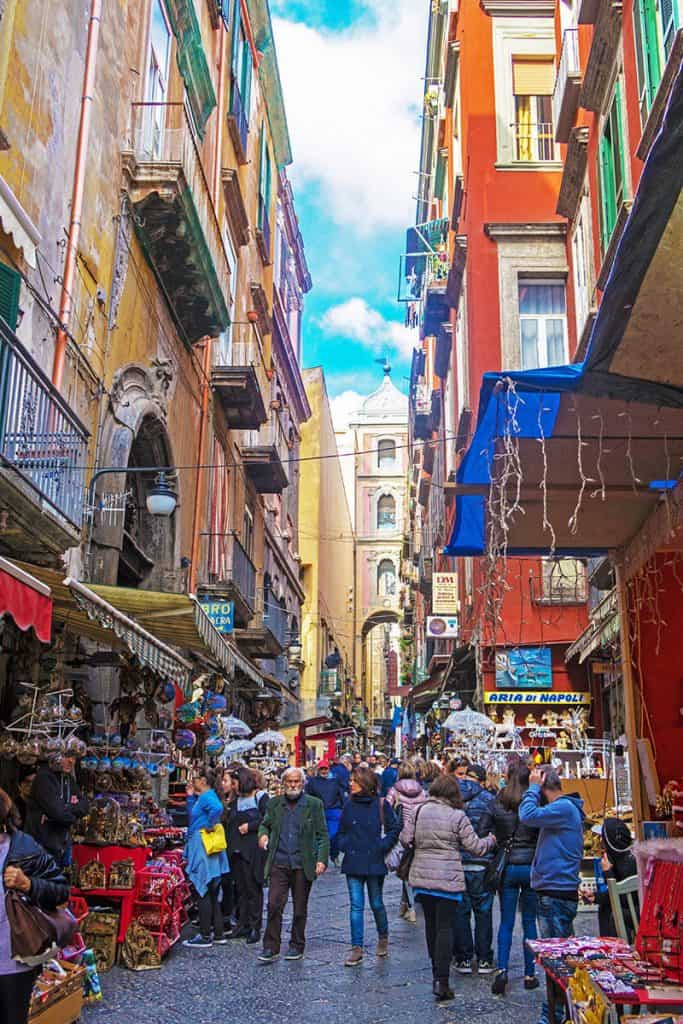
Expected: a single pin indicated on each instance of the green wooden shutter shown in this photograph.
(607, 204)
(618, 149)
(246, 77)
(262, 175)
(10, 285)
(669, 16)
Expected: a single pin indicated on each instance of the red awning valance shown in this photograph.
(26, 599)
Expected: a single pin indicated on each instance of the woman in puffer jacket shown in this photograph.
(27, 868)
(405, 798)
(439, 830)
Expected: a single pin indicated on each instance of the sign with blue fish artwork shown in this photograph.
(524, 668)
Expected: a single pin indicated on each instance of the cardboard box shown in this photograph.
(62, 1011)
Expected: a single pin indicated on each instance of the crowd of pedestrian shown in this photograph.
(456, 838)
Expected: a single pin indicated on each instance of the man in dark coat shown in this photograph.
(389, 776)
(478, 900)
(54, 805)
(329, 789)
(294, 834)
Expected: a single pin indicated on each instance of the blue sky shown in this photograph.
(352, 79)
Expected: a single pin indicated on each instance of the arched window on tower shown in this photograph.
(386, 578)
(386, 453)
(386, 512)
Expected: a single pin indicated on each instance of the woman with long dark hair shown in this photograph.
(359, 837)
(205, 810)
(516, 885)
(27, 868)
(247, 860)
(439, 829)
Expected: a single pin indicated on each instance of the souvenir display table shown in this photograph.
(617, 971)
(95, 865)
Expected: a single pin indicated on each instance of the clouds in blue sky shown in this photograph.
(352, 78)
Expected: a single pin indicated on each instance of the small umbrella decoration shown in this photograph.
(271, 736)
(214, 746)
(235, 748)
(233, 726)
(469, 721)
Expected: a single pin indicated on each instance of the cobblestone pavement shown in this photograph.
(227, 983)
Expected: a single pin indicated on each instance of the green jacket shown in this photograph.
(313, 835)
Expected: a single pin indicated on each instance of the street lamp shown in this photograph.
(161, 499)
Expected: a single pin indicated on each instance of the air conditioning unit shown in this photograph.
(442, 627)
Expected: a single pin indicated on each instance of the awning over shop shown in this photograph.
(17, 223)
(423, 695)
(26, 599)
(602, 629)
(574, 459)
(86, 614)
(180, 620)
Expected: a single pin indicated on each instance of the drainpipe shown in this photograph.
(208, 342)
(65, 302)
(199, 488)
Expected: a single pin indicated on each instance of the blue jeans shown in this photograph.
(555, 921)
(375, 885)
(478, 899)
(517, 886)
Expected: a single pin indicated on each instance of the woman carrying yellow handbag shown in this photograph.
(205, 853)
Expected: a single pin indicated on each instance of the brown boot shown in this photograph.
(382, 946)
(355, 957)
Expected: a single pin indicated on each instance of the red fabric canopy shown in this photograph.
(26, 599)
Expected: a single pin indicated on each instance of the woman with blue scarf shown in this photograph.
(205, 809)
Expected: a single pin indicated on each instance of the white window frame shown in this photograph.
(582, 264)
(157, 73)
(387, 465)
(517, 37)
(541, 339)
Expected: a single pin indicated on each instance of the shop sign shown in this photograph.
(221, 613)
(549, 697)
(444, 593)
(524, 668)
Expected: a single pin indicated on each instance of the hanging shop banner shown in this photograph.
(549, 697)
(524, 668)
(221, 614)
(444, 593)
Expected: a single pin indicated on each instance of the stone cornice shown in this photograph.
(521, 232)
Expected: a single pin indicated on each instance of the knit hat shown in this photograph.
(616, 836)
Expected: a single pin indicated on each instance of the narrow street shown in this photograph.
(227, 983)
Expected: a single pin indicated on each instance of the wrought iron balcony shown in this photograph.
(239, 377)
(238, 122)
(534, 142)
(229, 572)
(275, 621)
(43, 454)
(567, 86)
(265, 455)
(267, 635)
(558, 588)
(175, 218)
(422, 412)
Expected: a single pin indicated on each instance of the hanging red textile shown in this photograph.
(26, 599)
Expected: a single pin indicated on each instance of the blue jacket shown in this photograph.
(341, 772)
(330, 791)
(559, 851)
(203, 811)
(360, 837)
(479, 809)
(389, 778)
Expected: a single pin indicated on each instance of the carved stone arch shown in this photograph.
(136, 549)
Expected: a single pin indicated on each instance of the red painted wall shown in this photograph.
(659, 666)
(498, 196)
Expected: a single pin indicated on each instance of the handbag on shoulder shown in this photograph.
(408, 855)
(34, 932)
(495, 869)
(213, 839)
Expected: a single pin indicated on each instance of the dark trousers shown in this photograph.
(478, 899)
(228, 896)
(438, 913)
(15, 996)
(250, 889)
(210, 911)
(282, 881)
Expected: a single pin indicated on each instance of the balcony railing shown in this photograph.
(40, 437)
(167, 159)
(271, 441)
(567, 85)
(227, 562)
(559, 590)
(239, 118)
(534, 142)
(275, 621)
(239, 376)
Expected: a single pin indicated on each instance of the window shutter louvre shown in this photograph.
(604, 185)
(533, 76)
(653, 67)
(10, 285)
(235, 39)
